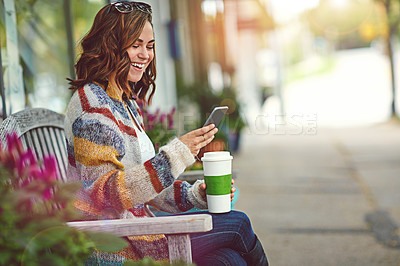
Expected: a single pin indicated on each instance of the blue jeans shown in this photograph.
(231, 236)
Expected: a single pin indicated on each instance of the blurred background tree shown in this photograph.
(358, 24)
(48, 32)
(392, 20)
(343, 25)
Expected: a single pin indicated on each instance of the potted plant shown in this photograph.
(234, 122)
(201, 96)
(159, 126)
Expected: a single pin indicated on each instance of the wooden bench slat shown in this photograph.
(62, 147)
(36, 144)
(26, 141)
(149, 226)
(42, 141)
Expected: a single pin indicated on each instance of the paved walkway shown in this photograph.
(330, 197)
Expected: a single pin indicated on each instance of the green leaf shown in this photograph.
(5, 256)
(107, 242)
(55, 233)
(52, 259)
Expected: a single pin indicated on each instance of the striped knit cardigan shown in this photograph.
(104, 154)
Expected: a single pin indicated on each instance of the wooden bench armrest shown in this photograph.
(180, 224)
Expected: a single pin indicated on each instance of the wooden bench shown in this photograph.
(43, 131)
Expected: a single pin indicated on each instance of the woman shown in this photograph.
(110, 153)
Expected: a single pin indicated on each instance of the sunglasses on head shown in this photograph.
(127, 7)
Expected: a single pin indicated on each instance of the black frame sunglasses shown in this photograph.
(127, 7)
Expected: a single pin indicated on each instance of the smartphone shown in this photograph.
(216, 116)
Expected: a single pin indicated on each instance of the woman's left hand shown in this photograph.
(202, 191)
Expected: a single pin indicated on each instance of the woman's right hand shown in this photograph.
(198, 138)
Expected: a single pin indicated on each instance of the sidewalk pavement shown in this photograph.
(327, 198)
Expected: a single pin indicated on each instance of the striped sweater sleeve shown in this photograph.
(98, 149)
(180, 197)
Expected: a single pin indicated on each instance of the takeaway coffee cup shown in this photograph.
(217, 176)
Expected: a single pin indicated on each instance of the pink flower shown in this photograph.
(2, 153)
(14, 143)
(162, 118)
(45, 176)
(151, 118)
(26, 158)
(10, 156)
(157, 113)
(50, 168)
(34, 172)
(47, 193)
(25, 172)
(170, 119)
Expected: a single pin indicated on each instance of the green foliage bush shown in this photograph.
(34, 209)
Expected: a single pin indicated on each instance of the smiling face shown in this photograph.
(141, 53)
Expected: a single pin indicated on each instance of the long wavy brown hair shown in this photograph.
(104, 52)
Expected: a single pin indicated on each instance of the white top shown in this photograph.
(145, 144)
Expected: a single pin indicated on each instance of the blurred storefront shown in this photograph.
(219, 45)
(198, 41)
(39, 46)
